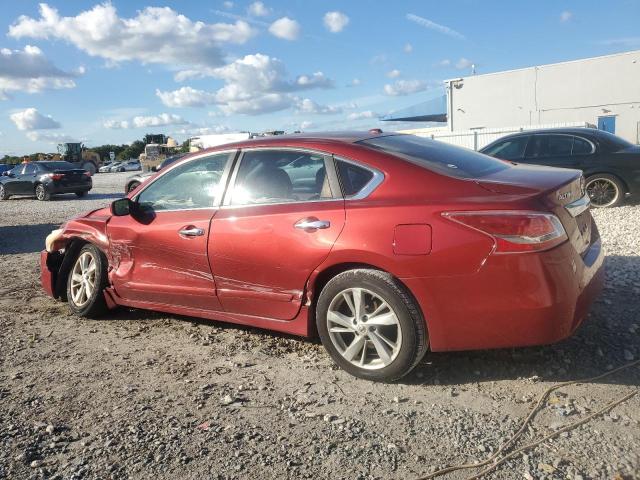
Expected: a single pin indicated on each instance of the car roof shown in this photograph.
(340, 137)
(562, 130)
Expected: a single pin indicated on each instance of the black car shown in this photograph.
(611, 165)
(44, 179)
(134, 180)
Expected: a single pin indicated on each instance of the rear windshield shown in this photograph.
(51, 166)
(438, 156)
(615, 141)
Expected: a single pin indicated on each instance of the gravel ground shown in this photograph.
(147, 395)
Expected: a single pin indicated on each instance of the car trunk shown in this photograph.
(71, 177)
(561, 192)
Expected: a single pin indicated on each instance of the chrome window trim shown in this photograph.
(184, 162)
(579, 206)
(370, 186)
(226, 203)
(593, 146)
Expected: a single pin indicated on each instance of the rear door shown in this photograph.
(160, 255)
(553, 150)
(25, 183)
(281, 216)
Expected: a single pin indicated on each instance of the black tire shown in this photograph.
(3, 193)
(41, 193)
(81, 194)
(605, 190)
(414, 342)
(95, 304)
(132, 186)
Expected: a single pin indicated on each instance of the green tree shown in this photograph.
(132, 151)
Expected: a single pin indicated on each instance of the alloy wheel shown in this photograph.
(364, 329)
(40, 192)
(3, 194)
(602, 192)
(83, 279)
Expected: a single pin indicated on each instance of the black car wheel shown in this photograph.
(371, 325)
(41, 193)
(604, 190)
(132, 186)
(3, 193)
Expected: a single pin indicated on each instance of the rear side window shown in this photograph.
(51, 166)
(558, 146)
(352, 177)
(437, 156)
(30, 169)
(510, 149)
(581, 146)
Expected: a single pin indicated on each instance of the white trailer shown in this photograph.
(207, 141)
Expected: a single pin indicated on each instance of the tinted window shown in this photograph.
(352, 177)
(51, 166)
(30, 169)
(275, 176)
(17, 170)
(581, 146)
(195, 184)
(438, 156)
(510, 149)
(169, 160)
(558, 145)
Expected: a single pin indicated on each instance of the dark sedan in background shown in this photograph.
(44, 179)
(611, 165)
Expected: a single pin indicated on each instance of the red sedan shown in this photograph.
(387, 245)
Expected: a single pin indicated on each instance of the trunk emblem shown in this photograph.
(564, 196)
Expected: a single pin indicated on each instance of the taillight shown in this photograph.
(56, 176)
(88, 174)
(514, 231)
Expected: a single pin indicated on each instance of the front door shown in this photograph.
(159, 254)
(278, 223)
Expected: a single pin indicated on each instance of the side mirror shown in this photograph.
(122, 207)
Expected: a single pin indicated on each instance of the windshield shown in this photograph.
(437, 156)
(51, 166)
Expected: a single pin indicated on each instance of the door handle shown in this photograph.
(311, 224)
(191, 232)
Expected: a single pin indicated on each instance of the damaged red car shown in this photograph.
(385, 245)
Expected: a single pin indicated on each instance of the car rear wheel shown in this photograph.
(604, 190)
(370, 325)
(86, 283)
(3, 193)
(41, 193)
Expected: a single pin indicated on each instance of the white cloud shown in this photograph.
(31, 119)
(463, 63)
(306, 105)
(425, 22)
(144, 121)
(405, 87)
(408, 48)
(621, 42)
(186, 97)
(395, 73)
(29, 71)
(258, 9)
(355, 82)
(285, 28)
(203, 130)
(258, 78)
(306, 124)
(444, 63)
(566, 16)
(335, 21)
(367, 114)
(155, 35)
(53, 138)
(228, 5)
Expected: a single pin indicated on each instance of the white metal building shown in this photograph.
(603, 91)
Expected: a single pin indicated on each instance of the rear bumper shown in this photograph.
(513, 300)
(80, 187)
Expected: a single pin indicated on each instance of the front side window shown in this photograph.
(196, 184)
(280, 176)
(510, 149)
(17, 170)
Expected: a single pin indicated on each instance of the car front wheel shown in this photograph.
(370, 325)
(604, 190)
(86, 282)
(132, 186)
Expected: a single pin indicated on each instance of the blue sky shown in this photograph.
(111, 72)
